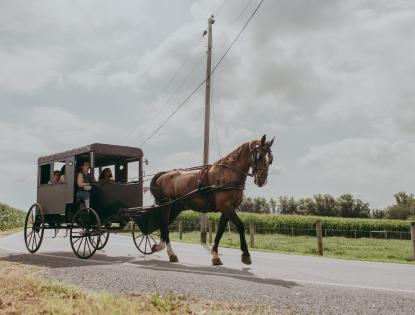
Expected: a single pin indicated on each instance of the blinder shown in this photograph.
(255, 156)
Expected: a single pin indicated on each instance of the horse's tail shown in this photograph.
(155, 191)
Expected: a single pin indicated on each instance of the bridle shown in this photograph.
(255, 155)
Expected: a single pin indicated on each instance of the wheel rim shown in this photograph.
(85, 233)
(145, 242)
(34, 228)
(103, 240)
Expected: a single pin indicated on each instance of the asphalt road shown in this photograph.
(297, 284)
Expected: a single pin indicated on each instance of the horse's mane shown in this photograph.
(234, 155)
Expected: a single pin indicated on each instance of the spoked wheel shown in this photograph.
(85, 235)
(34, 228)
(103, 240)
(145, 242)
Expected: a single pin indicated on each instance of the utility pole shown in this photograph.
(203, 218)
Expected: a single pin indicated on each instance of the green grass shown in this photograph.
(382, 250)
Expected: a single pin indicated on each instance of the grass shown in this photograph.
(396, 251)
(22, 291)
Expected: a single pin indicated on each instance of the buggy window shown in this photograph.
(57, 166)
(132, 172)
(45, 174)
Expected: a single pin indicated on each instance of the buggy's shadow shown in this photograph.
(67, 260)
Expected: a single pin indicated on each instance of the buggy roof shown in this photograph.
(98, 148)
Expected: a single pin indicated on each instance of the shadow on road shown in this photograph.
(67, 260)
(221, 271)
(64, 259)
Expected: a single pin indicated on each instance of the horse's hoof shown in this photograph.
(154, 248)
(246, 260)
(173, 259)
(216, 261)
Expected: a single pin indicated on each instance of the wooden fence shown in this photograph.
(318, 232)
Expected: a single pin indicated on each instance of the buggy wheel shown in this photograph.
(103, 240)
(85, 233)
(34, 228)
(144, 242)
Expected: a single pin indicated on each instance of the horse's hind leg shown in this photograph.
(246, 257)
(164, 233)
(221, 228)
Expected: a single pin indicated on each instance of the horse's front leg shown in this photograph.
(221, 228)
(164, 234)
(246, 257)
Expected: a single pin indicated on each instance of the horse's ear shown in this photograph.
(271, 142)
(264, 137)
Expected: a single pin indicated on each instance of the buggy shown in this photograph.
(115, 206)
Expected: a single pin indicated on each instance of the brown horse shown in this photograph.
(217, 187)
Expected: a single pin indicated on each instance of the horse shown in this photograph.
(217, 187)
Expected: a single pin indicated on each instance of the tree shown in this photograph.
(256, 205)
(273, 205)
(247, 205)
(326, 205)
(287, 205)
(404, 207)
(306, 206)
(361, 209)
(261, 205)
(379, 213)
(348, 207)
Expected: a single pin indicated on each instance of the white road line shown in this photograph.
(215, 273)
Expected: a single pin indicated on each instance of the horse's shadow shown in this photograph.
(218, 271)
(55, 260)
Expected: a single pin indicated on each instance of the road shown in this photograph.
(297, 284)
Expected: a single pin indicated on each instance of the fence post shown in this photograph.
(210, 231)
(355, 236)
(251, 235)
(319, 238)
(413, 239)
(370, 234)
(180, 229)
(216, 227)
(292, 231)
(386, 234)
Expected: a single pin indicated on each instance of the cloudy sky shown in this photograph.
(331, 79)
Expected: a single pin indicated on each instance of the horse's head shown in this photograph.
(261, 158)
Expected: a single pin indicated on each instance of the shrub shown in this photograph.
(10, 217)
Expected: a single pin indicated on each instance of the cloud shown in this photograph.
(370, 166)
(332, 80)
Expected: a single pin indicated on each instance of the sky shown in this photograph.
(331, 80)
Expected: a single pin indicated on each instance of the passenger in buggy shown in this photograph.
(106, 176)
(55, 178)
(83, 183)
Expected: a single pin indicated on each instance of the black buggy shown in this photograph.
(114, 205)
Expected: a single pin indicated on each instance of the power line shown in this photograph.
(180, 85)
(219, 9)
(234, 21)
(201, 83)
(174, 112)
(237, 37)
